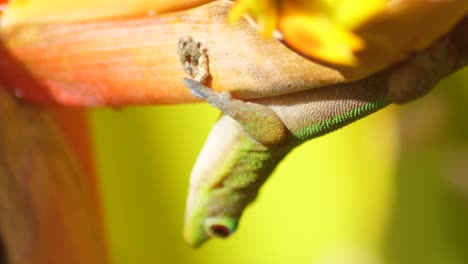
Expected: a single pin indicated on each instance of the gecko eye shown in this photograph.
(221, 227)
(220, 230)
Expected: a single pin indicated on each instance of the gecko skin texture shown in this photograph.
(252, 137)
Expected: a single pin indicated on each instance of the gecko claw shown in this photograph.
(194, 87)
(205, 93)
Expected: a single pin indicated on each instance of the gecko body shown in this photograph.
(252, 137)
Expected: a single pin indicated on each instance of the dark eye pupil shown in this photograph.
(220, 230)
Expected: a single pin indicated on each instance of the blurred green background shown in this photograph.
(391, 188)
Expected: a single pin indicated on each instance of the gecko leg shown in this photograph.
(259, 121)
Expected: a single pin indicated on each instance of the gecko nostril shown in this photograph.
(220, 230)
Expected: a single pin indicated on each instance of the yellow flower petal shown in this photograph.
(320, 28)
(316, 37)
(263, 11)
(352, 13)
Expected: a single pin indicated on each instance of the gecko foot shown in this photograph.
(199, 90)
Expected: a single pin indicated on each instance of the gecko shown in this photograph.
(252, 136)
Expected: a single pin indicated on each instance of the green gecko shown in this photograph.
(252, 137)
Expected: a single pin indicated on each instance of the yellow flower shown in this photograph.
(322, 29)
(263, 11)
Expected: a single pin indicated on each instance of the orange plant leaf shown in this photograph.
(134, 60)
(49, 212)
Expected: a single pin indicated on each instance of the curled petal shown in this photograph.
(317, 37)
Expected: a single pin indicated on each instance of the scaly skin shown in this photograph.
(225, 179)
(252, 137)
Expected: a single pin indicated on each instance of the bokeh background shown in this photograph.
(391, 188)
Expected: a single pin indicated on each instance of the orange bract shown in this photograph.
(134, 60)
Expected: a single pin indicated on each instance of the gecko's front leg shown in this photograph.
(259, 121)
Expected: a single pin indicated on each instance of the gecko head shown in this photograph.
(219, 191)
(211, 213)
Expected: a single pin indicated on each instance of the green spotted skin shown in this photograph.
(316, 112)
(326, 126)
(250, 140)
(221, 188)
